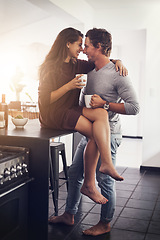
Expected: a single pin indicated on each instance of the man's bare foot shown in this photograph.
(111, 171)
(98, 229)
(93, 194)
(65, 218)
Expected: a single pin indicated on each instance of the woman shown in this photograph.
(59, 91)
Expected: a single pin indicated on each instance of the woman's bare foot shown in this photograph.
(98, 229)
(65, 218)
(111, 171)
(93, 194)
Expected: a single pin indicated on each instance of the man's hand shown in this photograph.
(121, 68)
(97, 101)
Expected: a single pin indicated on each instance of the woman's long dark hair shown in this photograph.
(59, 51)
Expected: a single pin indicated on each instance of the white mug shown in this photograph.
(83, 78)
(87, 99)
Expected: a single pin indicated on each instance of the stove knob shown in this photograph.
(1, 177)
(13, 171)
(7, 173)
(19, 169)
(24, 167)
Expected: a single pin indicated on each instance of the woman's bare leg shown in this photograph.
(101, 134)
(91, 155)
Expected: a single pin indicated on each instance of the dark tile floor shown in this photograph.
(137, 215)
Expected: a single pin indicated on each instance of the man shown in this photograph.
(108, 89)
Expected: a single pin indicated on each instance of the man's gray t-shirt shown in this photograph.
(110, 86)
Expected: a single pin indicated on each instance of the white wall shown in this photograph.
(151, 146)
(130, 46)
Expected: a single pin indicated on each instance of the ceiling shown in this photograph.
(110, 4)
(18, 13)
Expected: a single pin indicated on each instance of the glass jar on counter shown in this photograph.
(3, 112)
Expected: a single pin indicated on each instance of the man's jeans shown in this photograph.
(105, 182)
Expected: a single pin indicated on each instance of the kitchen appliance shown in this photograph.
(14, 181)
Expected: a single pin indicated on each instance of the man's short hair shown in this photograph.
(100, 36)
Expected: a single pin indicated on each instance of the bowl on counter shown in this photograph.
(19, 122)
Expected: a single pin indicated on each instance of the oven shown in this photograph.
(14, 183)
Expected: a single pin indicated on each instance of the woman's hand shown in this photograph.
(97, 101)
(75, 83)
(121, 68)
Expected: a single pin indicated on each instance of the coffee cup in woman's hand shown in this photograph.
(82, 78)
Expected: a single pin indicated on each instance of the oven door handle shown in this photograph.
(16, 187)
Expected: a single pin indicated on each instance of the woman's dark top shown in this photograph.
(65, 112)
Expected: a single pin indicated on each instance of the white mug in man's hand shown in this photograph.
(87, 99)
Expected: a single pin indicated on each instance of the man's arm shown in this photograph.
(126, 92)
(97, 102)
